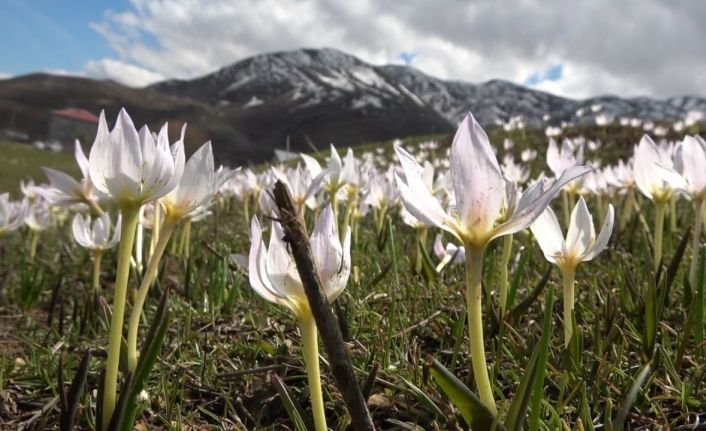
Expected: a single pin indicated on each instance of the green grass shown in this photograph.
(23, 162)
(225, 342)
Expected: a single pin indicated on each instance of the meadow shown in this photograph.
(222, 347)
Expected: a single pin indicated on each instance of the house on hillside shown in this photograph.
(66, 125)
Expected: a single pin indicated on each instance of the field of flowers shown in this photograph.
(515, 282)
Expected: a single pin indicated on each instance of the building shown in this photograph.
(66, 125)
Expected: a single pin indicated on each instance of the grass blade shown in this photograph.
(71, 400)
(293, 410)
(476, 415)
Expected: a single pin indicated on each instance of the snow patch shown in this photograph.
(338, 81)
(366, 101)
(411, 95)
(254, 101)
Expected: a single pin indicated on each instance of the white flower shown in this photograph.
(561, 159)
(66, 191)
(12, 214)
(647, 155)
(301, 185)
(273, 273)
(689, 172)
(581, 243)
(479, 190)
(449, 255)
(130, 166)
(38, 217)
(95, 234)
(196, 187)
(333, 172)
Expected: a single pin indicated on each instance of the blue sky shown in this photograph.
(51, 34)
(552, 73)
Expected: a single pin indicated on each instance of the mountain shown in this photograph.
(309, 97)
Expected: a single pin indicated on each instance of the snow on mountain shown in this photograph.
(319, 76)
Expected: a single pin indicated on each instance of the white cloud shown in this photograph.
(630, 48)
(128, 74)
(5, 75)
(579, 81)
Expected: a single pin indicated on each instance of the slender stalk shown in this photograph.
(187, 241)
(96, 211)
(567, 207)
(97, 257)
(601, 207)
(568, 276)
(156, 224)
(333, 195)
(256, 202)
(139, 241)
(421, 239)
(626, 211)
(147, 280)
(246, 209)
(572, 200)
(673, 213)
(504, 277)
(696, 244)
(310, 342)
(127, 239)
(474, 272)
(660, 209)
(33, 243)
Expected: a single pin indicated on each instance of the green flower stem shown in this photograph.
(246, 209)
(660, 209)
(147, 280)
(256, 202)
(156, 223)
(310, 342)
(601, 207)
(381, 219)
(127, 239)
(568, 275)
(696, 244)
(567, 207)
(504, 277)
(96, 211)
(673, 213)
(347, 216)
(474, 289)
(187, 238)
(139, 244)
(421, 237)
(97, 257)
(628, 207)
(33, 243)
(333, 196)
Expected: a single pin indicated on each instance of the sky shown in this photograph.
(577, 48)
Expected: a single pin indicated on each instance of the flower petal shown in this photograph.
(257, 266)
(547, 232)
(326, 247)
(340, 280)
(416, 196)
(477, 179)
(527, 211)
(603, 237)
(581, 233)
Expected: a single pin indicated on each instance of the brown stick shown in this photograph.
(339, 361)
